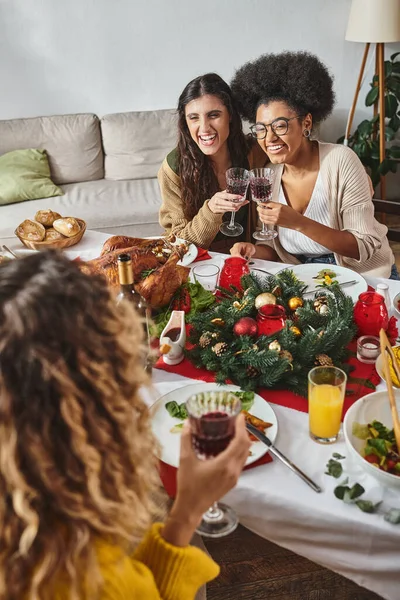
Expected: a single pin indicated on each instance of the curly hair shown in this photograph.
(77, 457)
(199, 181)
(298, 78)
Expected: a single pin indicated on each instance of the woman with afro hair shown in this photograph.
(321, 198)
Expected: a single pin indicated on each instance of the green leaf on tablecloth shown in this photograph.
(367, 506)
(393, 516)
(334, 468)
(338, 456)
(362, 381)
(348, 494)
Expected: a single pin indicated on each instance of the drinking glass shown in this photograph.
(237, 180)
(326, 390)
(232, 272)
(207, 276)
(212, 418)
(261, 181)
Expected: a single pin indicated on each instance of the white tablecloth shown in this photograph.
(274, 503)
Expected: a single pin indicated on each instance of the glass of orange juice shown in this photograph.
(326, 390)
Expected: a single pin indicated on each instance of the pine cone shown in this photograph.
(323, 360)
(220, 348)
(251, 371)
(205, 339)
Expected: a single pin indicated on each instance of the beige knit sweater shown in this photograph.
(350, 209)
(204, 226)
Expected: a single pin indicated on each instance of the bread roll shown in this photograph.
(31, 231)
(46, 217)
(52, 235)
(68, 226)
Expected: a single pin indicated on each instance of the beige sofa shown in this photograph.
(106, 167)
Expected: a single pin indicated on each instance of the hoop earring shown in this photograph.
(306, 133)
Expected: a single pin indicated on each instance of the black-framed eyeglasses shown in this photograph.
(279, 126)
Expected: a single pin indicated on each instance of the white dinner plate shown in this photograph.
(191, 253)
(162, 422)
(307, 272)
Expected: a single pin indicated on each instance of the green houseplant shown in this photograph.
(365, 139)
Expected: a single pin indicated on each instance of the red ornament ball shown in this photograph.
(245, 326)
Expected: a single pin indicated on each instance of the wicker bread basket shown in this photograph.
(66, 242)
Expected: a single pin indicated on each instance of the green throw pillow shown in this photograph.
(25, 175)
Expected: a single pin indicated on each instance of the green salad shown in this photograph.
(380, 449)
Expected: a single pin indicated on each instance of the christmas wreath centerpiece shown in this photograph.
(225, 338)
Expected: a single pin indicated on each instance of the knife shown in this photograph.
(326, 287)
(263, 438)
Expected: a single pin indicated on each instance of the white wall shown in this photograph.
(103, 56)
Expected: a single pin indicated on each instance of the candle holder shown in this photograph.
(368, 348)
(270, 319)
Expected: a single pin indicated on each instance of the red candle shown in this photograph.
(270, 319)
(370, 314)
(233, 270)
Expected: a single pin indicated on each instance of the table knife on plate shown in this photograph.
(326, 287)
(263, 438)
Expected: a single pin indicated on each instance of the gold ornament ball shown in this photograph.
(295, 303)
(275, 345)
(263, 299)
(295, 330)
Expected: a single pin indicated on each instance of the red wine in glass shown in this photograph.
(261, 181)
(261, 190)
(212, 416)
(212, 433)
(237, 180)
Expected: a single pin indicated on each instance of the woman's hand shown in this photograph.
(223, 202)
(202, 482)
(243, 249)
(275, 213)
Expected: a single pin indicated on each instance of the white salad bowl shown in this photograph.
(372, 407)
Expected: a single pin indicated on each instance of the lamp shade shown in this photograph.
(375, 21)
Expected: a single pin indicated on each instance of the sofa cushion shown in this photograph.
(115, 207)
(136, 143)
(72, 143)
(25, 175)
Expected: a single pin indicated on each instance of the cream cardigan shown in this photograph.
(350, 209)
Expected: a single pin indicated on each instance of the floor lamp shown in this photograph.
(373, 21)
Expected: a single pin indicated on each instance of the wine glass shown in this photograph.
(237, 180)
(261, 181)
(212, 418)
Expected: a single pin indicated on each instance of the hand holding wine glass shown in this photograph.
(219, 439)
(261, 182)
(237, 181)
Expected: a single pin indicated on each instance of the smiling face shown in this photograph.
(208, 119)
(283, 148)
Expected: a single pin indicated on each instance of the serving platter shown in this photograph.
(162, 422)
(190, 255)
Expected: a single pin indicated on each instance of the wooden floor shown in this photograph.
(254, 569)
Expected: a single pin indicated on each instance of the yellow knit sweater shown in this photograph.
(157, 571)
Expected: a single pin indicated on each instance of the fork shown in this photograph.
(9, 251)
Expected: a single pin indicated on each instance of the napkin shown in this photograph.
(202, 254)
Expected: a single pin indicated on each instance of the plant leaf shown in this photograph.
(372, 96)
(393, 514)
(338, 456)
(395, 150)
(356, 491)
(390, 105)
(394, 56)
(334, 468)
(367, 506)
(340, 491)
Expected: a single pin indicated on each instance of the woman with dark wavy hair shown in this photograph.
(321, 196)
(78, 468)
(192, 176)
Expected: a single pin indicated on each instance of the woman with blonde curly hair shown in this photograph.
(78, 471)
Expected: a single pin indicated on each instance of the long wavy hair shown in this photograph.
(199, 181)
(77, 460)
